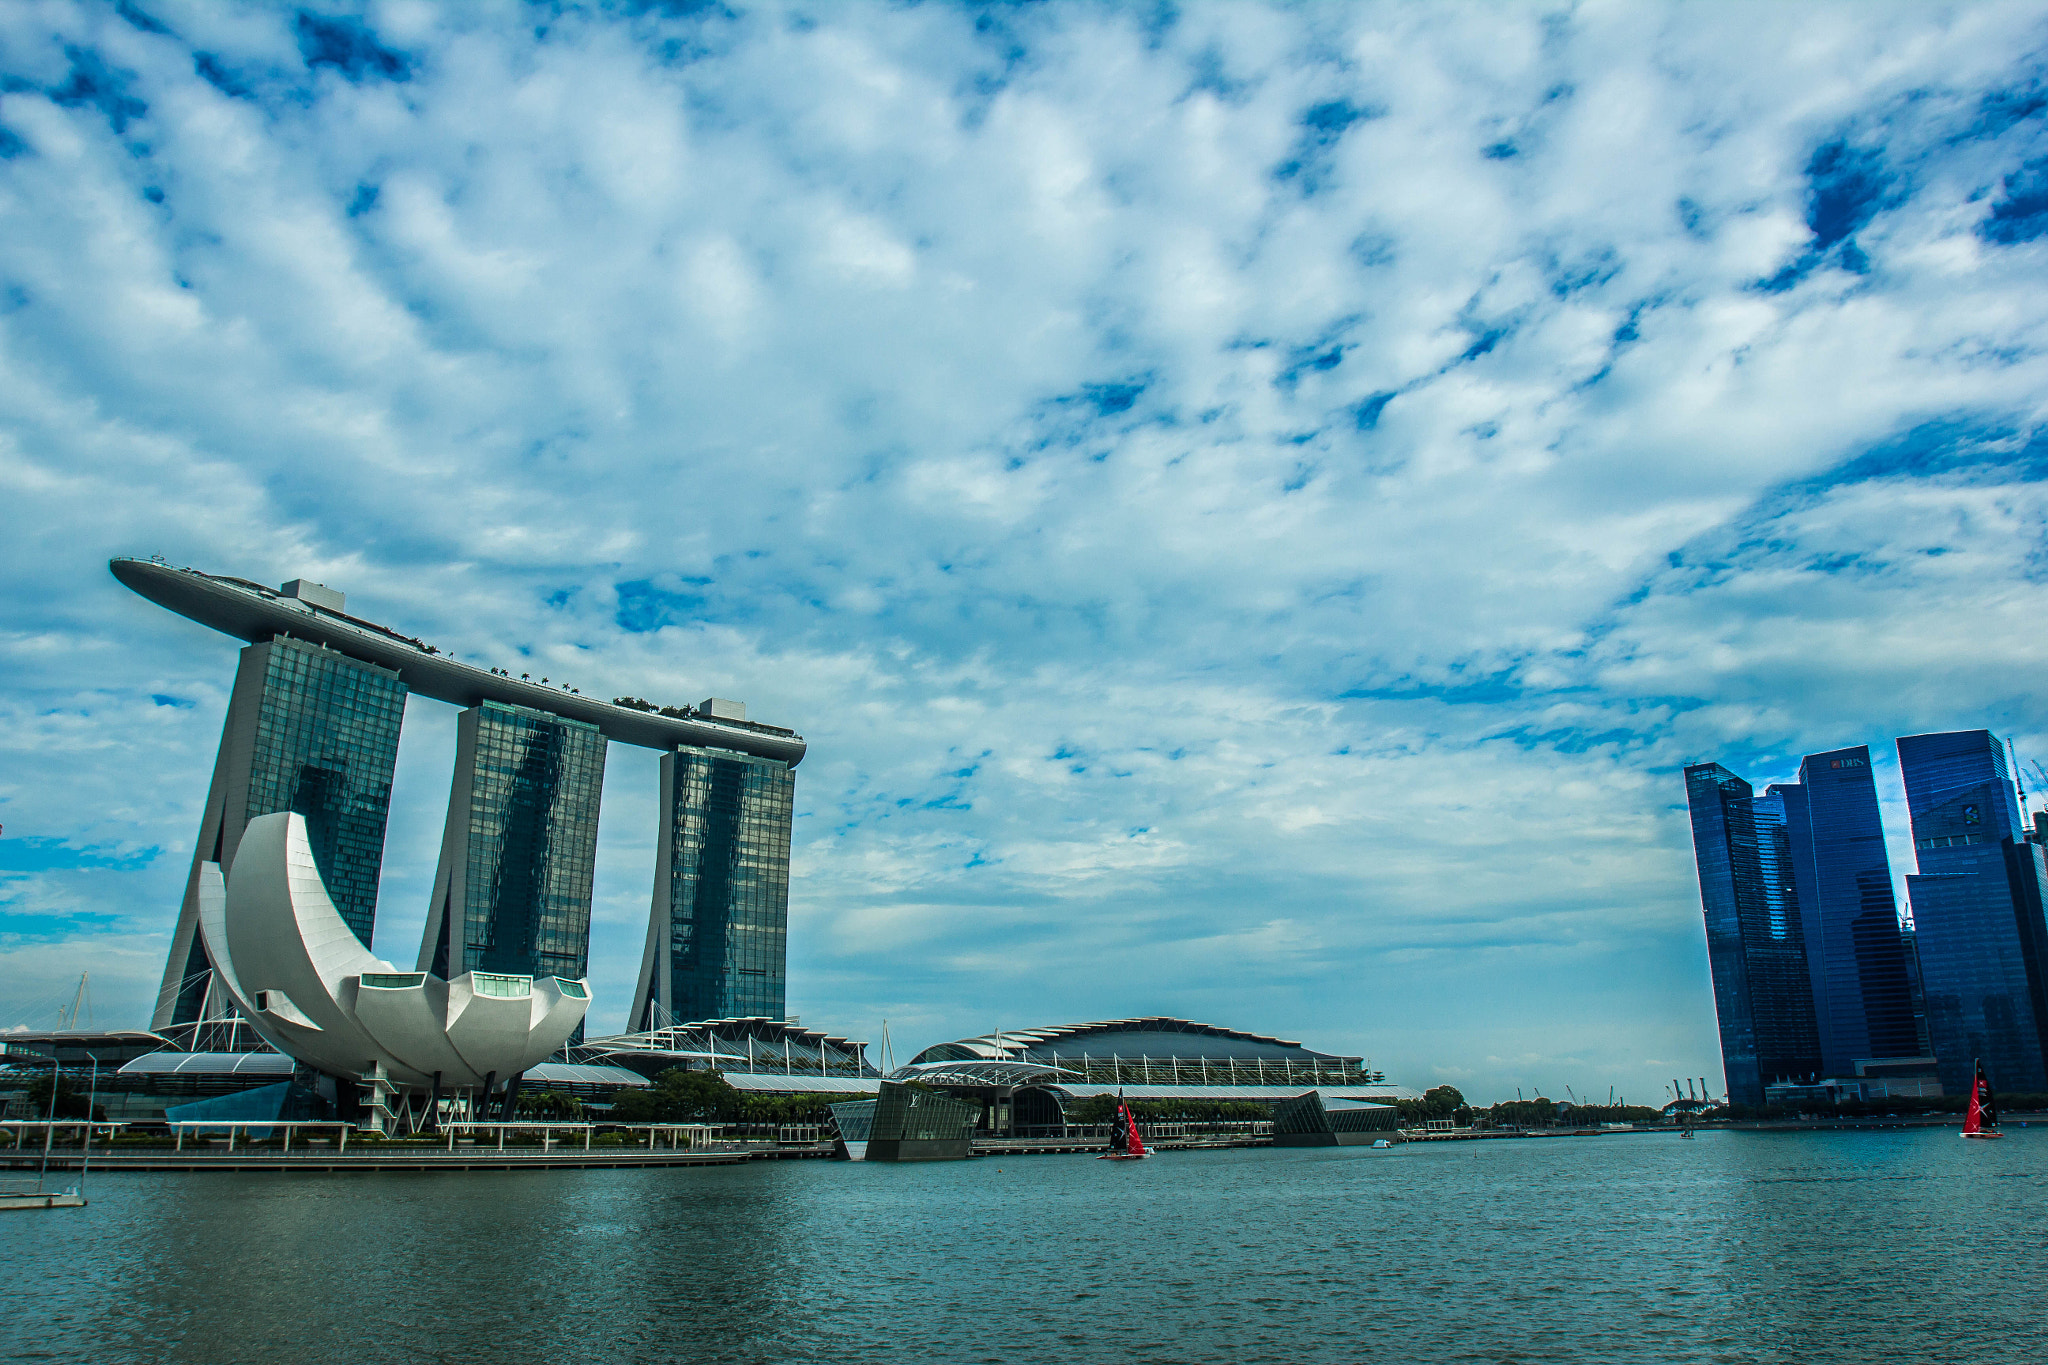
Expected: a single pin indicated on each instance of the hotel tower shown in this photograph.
(313, 725)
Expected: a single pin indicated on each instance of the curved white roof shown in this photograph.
(570, 1073)
(1158, 1036)
(210, 1064)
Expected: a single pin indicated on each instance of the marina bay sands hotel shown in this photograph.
(312, 727)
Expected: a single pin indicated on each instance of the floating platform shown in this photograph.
(41, 1199)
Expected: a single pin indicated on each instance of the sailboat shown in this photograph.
(1124, 1142)
(40, 1198)
(1982, 1120)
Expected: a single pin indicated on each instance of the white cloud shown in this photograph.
(1249, 512)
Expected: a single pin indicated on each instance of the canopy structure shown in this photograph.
(251, 611)
(747, 1045)
(990, 1073)
(255, 1066)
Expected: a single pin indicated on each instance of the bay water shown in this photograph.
(1892, 1245)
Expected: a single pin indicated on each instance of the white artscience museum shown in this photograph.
(309, 987)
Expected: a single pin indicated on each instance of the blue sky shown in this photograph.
(1251, 506)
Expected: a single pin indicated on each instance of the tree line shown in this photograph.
(683, 1096)
(1100, 1109)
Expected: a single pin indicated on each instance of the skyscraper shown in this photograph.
(308, 730)
(1755, 934)
(1977, 911)
(1806, 889)
(1865, 1002)
(519, 852)
(313, 727)
(717, 937)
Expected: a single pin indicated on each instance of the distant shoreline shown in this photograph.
(1872, 1121)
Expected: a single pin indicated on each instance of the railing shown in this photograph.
(1099, 1132)
(313, 1139)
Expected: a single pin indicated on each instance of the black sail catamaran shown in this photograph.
(1982, 1119)
(1124, 1142)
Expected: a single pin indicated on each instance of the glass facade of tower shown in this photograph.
(307, 730)
(325, 743)
(1868, 995)
(727, 889)
(1755, 934)
(534, 783)
(1977, 912)
(1806, 888)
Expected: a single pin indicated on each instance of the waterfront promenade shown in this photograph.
(422, 1156)
(392, 1157)
(416, 1156)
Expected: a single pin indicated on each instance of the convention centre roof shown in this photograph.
(80, 1046)
(981, 1073)
(1157, 1038)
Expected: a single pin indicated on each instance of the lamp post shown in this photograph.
(91, 1094)
(50, 1125)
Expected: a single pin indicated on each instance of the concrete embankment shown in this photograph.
(395, 1157)
(2029, 1119)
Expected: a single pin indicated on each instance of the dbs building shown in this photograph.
(313, 726)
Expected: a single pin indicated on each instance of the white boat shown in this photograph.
(73, 1198)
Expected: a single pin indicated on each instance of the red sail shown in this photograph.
(1134, 1144)
(1982, 1120)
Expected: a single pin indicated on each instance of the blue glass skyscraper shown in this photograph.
(1806, 889)
(1755, 934)
(1864, 998)
(1977, 911)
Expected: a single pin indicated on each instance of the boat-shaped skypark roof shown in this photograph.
(253, 612)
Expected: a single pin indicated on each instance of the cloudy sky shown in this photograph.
(1250, 506)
